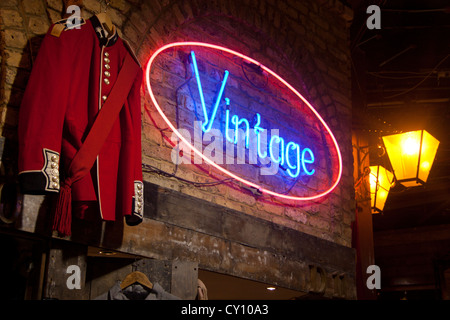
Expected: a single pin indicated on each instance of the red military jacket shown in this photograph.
(71, 78)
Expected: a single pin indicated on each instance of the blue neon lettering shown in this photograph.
(237, 122)
(310, 160)
(294, 146)
(279, 152)
(258, 130)
(279, 158)
(216, 105)
(227, 128)
(199, 85)
(207, 124)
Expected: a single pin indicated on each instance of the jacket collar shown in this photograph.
(101, 33)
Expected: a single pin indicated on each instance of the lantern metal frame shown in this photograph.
(417, 179)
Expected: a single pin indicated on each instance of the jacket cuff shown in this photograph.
(137, 213)
(44, 180)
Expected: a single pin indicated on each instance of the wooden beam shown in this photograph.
(362, 226)
(184, 211)
(178, 226)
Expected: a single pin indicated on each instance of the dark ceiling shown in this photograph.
(401, 82)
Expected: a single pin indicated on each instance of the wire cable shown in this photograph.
(420, 82)
(152, 169)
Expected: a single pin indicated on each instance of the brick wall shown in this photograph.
(306, 42)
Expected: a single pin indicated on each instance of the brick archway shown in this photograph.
(237, 26)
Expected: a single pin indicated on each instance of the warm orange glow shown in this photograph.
(380, 184)
(411, 155)
(410, 146)
(425, 165)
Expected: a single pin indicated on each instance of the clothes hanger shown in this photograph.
(105, 20)
(136, 277)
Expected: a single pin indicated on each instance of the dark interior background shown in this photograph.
(401, 82)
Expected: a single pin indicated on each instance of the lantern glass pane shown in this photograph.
(380, 184)
(381, 199)
(429, 149)
(385, 178)
(403, 152)
(373, 184)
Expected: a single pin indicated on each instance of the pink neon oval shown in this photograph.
(212, 163)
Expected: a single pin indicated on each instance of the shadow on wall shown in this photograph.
(15, 71)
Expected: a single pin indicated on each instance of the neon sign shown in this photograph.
(296, 158)
(282, 156)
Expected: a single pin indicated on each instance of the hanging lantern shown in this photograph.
(380, 183)
(411, 155)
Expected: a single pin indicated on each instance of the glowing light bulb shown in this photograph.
(410, 146)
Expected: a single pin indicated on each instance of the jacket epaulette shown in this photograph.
(66, 24)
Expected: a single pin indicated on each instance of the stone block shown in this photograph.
(15, 38)
(38, 25)
(57, 5)
(9, 3)
(35, 7)
(11, 18)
